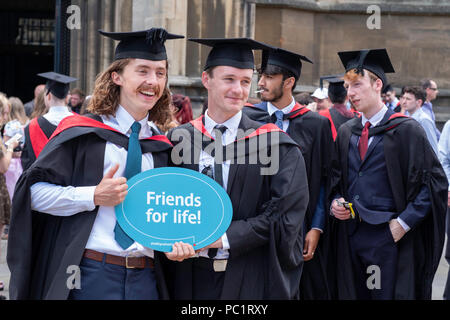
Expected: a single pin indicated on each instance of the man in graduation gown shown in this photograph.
(64, 240)
(387, 170)
(259, 256)
(39, 130)
(338, 112)
(280, 71)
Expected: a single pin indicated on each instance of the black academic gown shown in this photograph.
(411, 163)
(33, 141)
(41, 246)
(313, 134)
(265, 235)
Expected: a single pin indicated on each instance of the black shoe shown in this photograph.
(2, 297)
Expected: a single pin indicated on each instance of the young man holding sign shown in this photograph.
(64, 240)
(260, 255)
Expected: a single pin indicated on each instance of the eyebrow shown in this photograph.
(148, 67)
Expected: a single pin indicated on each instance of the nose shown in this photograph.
(150, 79)
(350, 92)
(261, 81)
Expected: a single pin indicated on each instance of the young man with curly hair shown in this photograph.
(64, 219)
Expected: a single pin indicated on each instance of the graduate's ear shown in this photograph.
(289, 83)
(116, 78)
(378, 85)
(205, 79)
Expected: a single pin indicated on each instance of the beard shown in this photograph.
(276, 94)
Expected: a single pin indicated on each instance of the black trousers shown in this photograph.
(374, 259)
(207, 283)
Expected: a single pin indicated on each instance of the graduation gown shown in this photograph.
(313, 134)
(265, 256)
(411, 164)
(37, 134)
(41, 246)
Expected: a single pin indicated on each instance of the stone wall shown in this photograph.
(416, 34)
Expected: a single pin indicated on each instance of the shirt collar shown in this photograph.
(376, 118)
(59, 109)
(271, 108)
(232, 124)
(124, 121)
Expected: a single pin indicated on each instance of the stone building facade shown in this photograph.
(415, 33)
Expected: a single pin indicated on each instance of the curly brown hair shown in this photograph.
(106, 94)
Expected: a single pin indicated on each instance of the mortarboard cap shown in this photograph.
(374, 60)
(285, 59)
(336, 84)
(58, 84)
(234, 52)
(146, 44)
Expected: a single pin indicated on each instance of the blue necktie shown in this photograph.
(279, 114)
(133, 167)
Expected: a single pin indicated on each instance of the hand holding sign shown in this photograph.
(165, 206)
(110, 191)
(180, 251)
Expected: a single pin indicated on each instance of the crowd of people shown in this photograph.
(359, 182)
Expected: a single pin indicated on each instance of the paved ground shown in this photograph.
(438, 283)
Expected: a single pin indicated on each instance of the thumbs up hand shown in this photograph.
(110, 191)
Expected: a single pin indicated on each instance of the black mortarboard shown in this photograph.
(285, 59)
(374, 60)
(146, 44)
(58, 84)
(234, 52)
(336, 84)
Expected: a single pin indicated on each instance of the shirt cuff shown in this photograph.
(85, 197)
(403, 224)
(314, 228)
(225, 243)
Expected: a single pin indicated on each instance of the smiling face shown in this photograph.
(228, 89)
(142, 83)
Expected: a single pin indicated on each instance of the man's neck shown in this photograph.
(283, 102)
(370, 113)
(138, 116)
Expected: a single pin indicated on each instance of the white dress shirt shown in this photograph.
(56, 114)
(271, 110)
(67, 201)
(229, 136)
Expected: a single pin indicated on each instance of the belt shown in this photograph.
(218, 265)
(128, 262)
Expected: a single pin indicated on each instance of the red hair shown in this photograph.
(184, 107)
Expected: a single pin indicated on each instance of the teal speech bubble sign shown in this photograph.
(167, 205)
